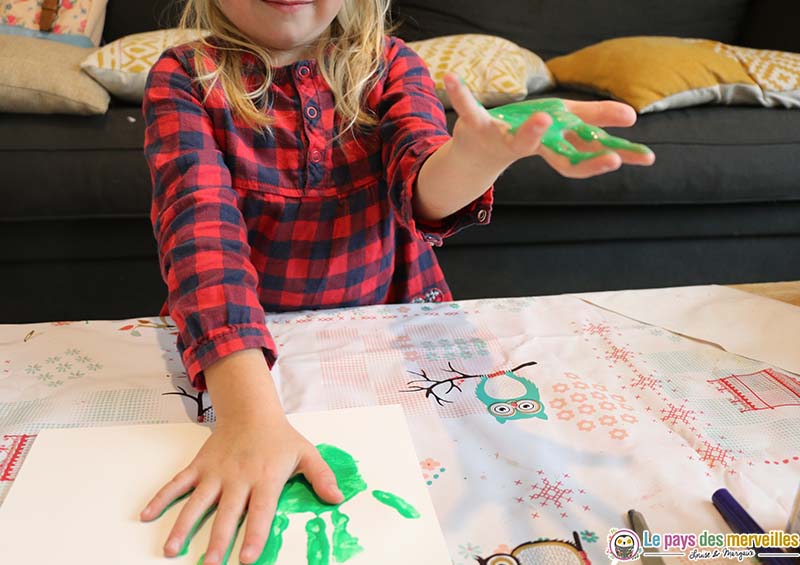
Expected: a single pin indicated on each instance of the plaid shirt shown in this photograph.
(247, 222)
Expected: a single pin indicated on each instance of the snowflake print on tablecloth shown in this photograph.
(713, 455)
(55, 370)
(592, 407)
(620, 356)
(557, 496)
(589, 537)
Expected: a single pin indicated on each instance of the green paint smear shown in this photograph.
(517, 113)
(298, 497)
(318, 549)
(269, 554)
(389, 499)
(345, 545)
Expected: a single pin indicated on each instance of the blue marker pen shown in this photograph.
(742, 523)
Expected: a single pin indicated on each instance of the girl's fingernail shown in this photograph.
(172, 546)
(249, 553)
(212, 558)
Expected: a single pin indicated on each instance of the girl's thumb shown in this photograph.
(319, 474)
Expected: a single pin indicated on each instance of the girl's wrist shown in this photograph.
(242, 389)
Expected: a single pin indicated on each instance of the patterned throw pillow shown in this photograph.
(78, 22)
(496, 70)
(658, 73)
(123, 65)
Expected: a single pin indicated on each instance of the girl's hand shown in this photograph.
(242, 466)
(480, 138)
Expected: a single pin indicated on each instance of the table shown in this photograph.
(610, 413)
(788, 291)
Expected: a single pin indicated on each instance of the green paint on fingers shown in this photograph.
(518, 113)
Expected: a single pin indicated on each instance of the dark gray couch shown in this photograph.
(721, 205)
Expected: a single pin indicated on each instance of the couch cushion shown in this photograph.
(494, 69)
(706, 154)
(45, 77)
(653, 74)
(556, 27)
(73, 166)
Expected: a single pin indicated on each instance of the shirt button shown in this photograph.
(312, 112)
(482, 215)
(316, 156)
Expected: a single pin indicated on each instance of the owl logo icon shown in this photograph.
(623, 545)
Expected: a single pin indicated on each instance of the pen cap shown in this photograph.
(737, 517)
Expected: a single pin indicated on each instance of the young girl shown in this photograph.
(300, 159)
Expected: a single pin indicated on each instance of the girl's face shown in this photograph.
(287, 28)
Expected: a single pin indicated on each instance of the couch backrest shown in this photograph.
(549, 27)
(124, 17)
(772, 24)
(555, 27)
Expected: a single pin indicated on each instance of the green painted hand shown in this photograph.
(517, 114)
(567, 134)
(298, 497)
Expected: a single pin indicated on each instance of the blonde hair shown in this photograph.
(350, 56)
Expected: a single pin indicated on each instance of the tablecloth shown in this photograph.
(531, 417)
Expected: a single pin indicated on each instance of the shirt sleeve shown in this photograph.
(413, 126)
(202, 238)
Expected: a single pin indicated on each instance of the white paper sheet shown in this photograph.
(77, 498)
(740, 322)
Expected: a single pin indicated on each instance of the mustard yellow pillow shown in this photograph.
(658, 73)
(496, 70)
(123, 65)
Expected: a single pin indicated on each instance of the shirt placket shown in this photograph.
(314, 123)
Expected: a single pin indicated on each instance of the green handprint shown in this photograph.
(298, 497)
(563, 120)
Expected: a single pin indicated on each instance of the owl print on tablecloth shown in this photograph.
(541, 552)
(506, 395)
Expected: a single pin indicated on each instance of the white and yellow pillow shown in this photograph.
(496, 70)
(658, 73)
(123, 65)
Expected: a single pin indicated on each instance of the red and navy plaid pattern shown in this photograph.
(300, 219)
